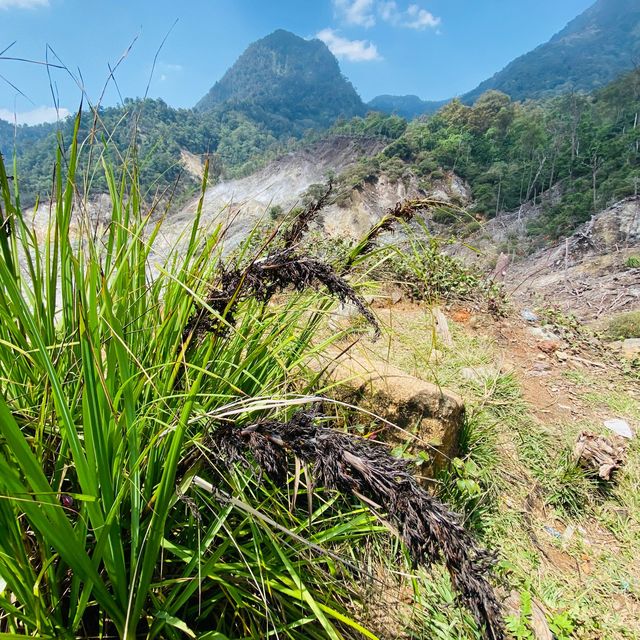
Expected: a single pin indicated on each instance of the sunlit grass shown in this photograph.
(105, 409)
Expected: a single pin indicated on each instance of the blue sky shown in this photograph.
(433, 48)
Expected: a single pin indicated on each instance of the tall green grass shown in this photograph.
(105, 410)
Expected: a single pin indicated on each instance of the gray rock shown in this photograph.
(544, 333)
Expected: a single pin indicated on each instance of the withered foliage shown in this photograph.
(263, 279)
(402, 212)
(294, 233)
(365, 469)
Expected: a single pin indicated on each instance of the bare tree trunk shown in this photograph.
(535, 178)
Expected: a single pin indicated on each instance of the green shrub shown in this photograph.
(429, 273)
(148, 486)
(632, 262)
(626, 325)
(115, 368)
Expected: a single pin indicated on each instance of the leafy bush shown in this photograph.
(429, 273)
(632, 262)
(624, 326)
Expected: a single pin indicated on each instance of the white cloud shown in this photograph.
(388, 11)
(35, 116)
(420, 18)
(414, 17)
(358, 12)
(352, 50)
(23, 4)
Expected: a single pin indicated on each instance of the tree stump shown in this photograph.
(604, 455)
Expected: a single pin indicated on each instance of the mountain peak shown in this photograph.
(284, 74)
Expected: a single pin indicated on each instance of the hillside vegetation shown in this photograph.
(573, 154)
(592, 50)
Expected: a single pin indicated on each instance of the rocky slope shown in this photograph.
(587, 274)
(241, 204)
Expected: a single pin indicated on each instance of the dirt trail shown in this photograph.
(588, 557)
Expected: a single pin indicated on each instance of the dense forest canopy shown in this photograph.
(574, 154)
(285, 77)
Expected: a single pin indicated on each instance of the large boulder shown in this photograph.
(425, 417)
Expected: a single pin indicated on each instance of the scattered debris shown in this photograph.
(552, 531)
(599, 453)
(621, 427)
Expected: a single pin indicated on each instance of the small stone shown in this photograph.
(621, 427)
(528, 315)
(544, 333)
(548, 346)
(563, 356)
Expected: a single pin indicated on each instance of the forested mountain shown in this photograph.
(573, 154)
(592, 50)
(282, 87)
(152, 130)
(286, 82)
(408, 107)
(583, 145)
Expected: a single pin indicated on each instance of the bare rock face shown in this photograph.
(429, 417)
